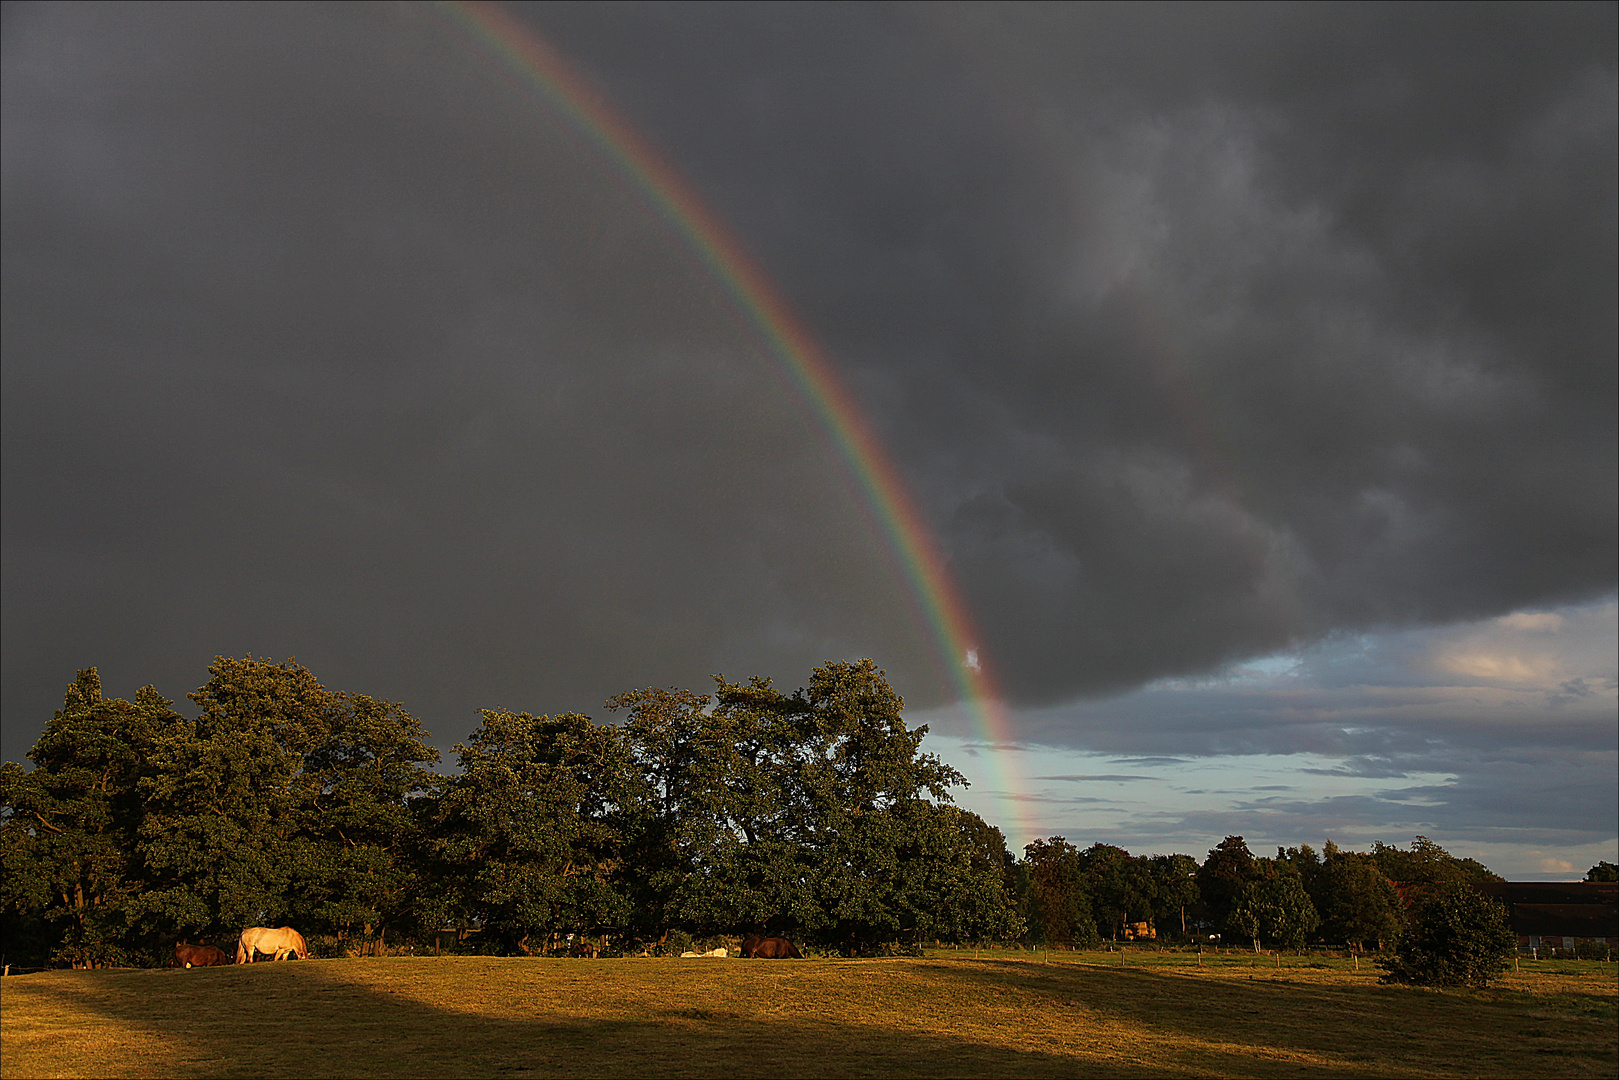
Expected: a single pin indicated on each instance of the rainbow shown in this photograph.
(540, 67)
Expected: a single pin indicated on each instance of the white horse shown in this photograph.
(275, 943)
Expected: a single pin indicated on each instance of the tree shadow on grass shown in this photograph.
(521, 1018)
(1368, 1026)
(305, 1019)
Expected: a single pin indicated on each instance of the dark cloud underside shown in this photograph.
(1196, 331)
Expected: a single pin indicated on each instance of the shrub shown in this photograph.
(1457, 937)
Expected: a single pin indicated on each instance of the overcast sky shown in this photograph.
(1254, 368)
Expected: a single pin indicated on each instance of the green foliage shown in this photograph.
(913, 871)
(1357, 903)
(370, 785)
(1457, 937)
(1174, 891)
(682, 762)
(963, 878)
(528, 835)
(1120, 887)
(814, 814)
(284, 801)
(221, 837)
(68, 827)
(1427, 865)
(1058, 901)
(809, 813)
(1275, 908)
(1077, 898)
(866, 776)
(1603, 871)
(1304, 863)
(1229, 868)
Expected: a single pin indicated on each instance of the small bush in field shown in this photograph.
(1457, 937)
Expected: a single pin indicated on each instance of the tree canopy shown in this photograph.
(814, 813)
(1457, 937)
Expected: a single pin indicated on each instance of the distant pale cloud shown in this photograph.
(1514, 669)
(1375, 737)
(1099, 777)
(1531, 620)
(1531, 650)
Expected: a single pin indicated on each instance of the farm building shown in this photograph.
(1559, 914)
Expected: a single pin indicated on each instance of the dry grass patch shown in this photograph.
(466, 1016)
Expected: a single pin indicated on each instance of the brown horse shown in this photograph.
(769, 948)
(186, 956)
(277, 943)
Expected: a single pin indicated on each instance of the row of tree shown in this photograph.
(813, 813)
(1078, 898)
(285, 802)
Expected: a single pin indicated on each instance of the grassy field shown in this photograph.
(951, 1014)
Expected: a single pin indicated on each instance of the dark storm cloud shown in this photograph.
(1200, 331)
(321, 341)
(1196, 332)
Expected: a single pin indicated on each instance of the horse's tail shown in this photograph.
(241, 950)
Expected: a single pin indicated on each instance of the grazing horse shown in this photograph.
(186, 956)
(276, 943)
(770, 948)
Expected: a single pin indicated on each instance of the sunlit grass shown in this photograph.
(1012, 1014)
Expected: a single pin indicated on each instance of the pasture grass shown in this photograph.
(948, 1014)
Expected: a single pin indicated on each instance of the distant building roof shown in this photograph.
(1551, 892)
(1580, 909)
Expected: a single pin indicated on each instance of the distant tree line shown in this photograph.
(813, 814)
(1357, 899)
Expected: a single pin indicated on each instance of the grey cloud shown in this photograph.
(1196, 333)
(313, 352)
(1529, 799)
(1462, 733)
(1102, 777)
(1200, 335)
(1058, 801)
